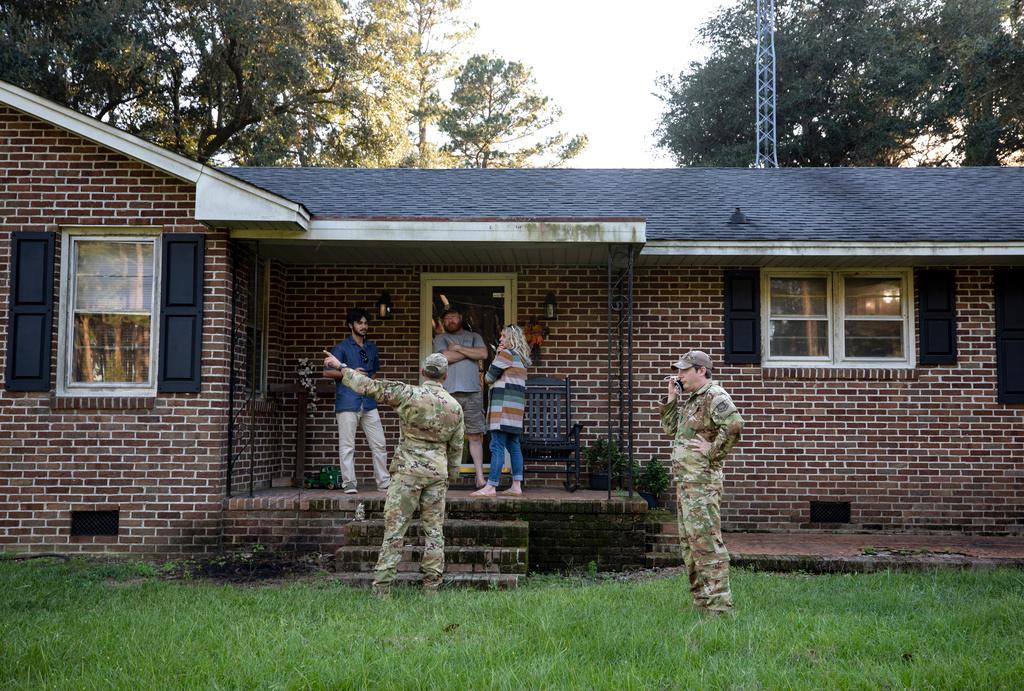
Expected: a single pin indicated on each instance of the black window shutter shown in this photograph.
(30, 317)
(743, 316)
(1009, 286)
(936, 292)
(181, 313)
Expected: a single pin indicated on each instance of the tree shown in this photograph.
(859, 82)
(410, 46)
(94, 57)
(248, 81)
(497, 118)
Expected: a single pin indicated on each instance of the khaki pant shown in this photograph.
(703, 550)
(407, 494)
(374, 431)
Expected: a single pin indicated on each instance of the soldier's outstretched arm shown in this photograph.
(385, 391)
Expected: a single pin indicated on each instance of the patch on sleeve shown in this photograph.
(724, 407)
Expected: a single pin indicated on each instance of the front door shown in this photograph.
(487, 303)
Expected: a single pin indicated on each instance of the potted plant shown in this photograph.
(653, 481)
(595, 457)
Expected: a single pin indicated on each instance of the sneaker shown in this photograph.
(351, 490)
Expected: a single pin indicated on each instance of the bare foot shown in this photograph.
(485, 491)
(480, 481)
(512, 492)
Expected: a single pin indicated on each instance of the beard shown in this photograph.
(452, 327)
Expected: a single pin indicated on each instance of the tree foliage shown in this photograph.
(498, 118)
(267, 82)
(413, 45)
(859, 82)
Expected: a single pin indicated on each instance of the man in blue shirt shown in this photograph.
(353, 410)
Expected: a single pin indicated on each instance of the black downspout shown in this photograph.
(254, 289)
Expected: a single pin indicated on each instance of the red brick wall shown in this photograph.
(925, 449)
(163, 466)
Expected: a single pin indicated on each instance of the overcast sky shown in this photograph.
(598, 60)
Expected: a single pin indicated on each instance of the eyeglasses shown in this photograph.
(363, 356)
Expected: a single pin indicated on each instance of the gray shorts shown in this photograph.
(473, 409)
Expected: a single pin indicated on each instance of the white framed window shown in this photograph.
(845, 318)
(108, 337)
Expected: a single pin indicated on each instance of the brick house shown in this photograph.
(153, 313)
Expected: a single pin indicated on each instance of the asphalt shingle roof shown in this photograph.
(856, 204)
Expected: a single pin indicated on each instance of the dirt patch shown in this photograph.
(246, 567)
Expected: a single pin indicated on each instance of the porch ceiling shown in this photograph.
(463, 253)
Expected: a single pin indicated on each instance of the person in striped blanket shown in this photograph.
(507, 378)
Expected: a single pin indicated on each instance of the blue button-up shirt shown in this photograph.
(357, 357)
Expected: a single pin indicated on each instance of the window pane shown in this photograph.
(799, 338)
(873, 297)
(113, 276)
(799, 297)
(111, 348)
(874, 338)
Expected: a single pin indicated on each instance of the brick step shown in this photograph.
(663, 547)
(459, 533)
(661, 560)
(474, 559)
(468, 581)
(666, 528)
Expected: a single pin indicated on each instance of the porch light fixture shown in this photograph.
(384, 305)
(550, 306)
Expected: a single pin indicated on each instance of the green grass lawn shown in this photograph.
(86, 625)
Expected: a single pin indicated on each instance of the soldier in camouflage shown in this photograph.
(704, 425)
(428, 455)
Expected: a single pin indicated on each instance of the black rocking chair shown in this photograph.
(549, 434)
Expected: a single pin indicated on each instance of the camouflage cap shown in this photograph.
(694, 358)
(435, 364)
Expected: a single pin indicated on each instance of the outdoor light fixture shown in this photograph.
(550, 306)
(384, 305)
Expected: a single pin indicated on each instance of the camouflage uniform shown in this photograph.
(429, 450)
(710, 414)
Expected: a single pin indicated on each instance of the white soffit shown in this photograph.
(816, 252)
(444, 242)
(221, 200)
(539, 231)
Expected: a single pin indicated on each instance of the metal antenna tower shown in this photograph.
(766, 157)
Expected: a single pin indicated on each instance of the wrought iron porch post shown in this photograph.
(620, 349)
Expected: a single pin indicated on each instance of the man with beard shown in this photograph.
(352, 409)
(463, 350)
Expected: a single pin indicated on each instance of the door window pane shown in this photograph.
(873, 297)
(807, 297)
(112, 311)
(799, 338)
(874, 338)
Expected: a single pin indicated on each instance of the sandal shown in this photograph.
(511, 492)
(482, 492)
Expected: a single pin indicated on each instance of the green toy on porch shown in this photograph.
(326, 478)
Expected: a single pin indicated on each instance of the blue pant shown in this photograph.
(499, 442)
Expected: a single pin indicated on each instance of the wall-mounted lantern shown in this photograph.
(550, 306)
(384, 305)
